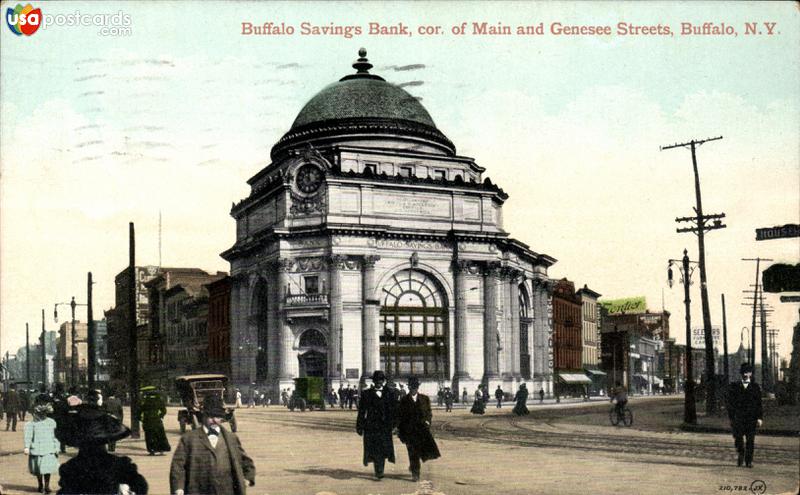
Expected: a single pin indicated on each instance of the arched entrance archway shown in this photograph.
(414, 327)
(313, 354)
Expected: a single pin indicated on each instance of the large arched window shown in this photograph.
(413, 332)
(312, 338)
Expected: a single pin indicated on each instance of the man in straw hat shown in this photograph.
(376, 419)
(211, 460)
(414, 426)
(745, 413)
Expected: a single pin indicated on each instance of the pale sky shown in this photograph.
(100, 130)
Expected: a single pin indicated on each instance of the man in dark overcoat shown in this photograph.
(414, 426)
(376, 419)
(498, 394)
(113, 406)
(210, 460)
(11, 404)
(746, 414)
(448, 399)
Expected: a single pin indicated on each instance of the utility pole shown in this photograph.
(44, 352)
(90, 335)
(765, 374)
(755, 310)
(689, 407)
(74, 363)
(700, 227)
(725, 342)
(133, 363)
(27, 356)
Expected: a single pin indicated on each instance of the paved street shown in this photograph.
(558, 449)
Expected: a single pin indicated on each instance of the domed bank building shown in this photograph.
(369, 243)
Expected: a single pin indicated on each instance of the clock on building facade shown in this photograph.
(309, 178)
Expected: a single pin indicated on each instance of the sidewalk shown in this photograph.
(552, 403)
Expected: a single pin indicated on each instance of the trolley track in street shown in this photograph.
(547, 432)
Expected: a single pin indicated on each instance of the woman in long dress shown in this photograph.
(41, 446)
(520, 409)
(479, 406)
(151, 412)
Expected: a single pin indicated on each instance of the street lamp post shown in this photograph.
(73, 337)
(689, 407)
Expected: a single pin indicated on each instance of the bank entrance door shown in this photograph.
(313, 363)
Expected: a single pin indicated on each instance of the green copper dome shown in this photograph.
(362, 98)
(362, 105)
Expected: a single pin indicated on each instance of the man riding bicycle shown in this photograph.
(619, 397)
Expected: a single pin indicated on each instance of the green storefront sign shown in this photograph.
(629, 305)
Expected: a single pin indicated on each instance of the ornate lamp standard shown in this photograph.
(686, 269)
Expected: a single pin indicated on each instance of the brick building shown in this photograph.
(178, 319)
(64, 353)
(631, 339)
(568, 339)
(117, 322)
(219, 325)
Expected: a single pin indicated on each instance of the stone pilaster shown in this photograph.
(460, 268)
(238, 337)
(273, 321)
(335, 343)
(490, 335)
(370, 310)
(285, 356)
(507, 354)
(515, 330)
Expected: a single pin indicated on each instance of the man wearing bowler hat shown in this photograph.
(210, 460)
(376, 419)
(414, 426)
(745, 413)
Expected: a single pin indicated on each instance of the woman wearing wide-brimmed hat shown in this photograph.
(41, 446)
(94, 470)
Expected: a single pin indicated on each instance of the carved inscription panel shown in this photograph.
(412, 205)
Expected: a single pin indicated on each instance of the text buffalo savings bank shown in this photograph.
(368, 243)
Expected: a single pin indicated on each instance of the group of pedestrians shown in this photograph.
(347, 397)
(482, 398)
(207, 460)
(380, 412)
(211, 459)
(14, 405)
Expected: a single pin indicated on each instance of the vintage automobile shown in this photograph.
(193, 389)
(309, 392)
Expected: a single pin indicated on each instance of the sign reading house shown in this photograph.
(629, 305)
(788, 230)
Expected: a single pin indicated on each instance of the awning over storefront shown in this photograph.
(650, 379)
(596, 372)
(576, 378)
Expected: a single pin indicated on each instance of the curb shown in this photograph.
(715, 429)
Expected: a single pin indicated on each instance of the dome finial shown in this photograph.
(362, 65)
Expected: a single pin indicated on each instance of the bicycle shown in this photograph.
(625, 416)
